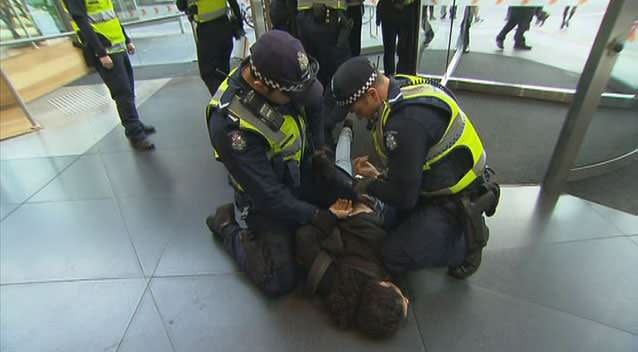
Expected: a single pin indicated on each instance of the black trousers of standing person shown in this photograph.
(120, 82)
(356, 14)
(399, 24)
(320, 39)
(521, 18)
(214, 47)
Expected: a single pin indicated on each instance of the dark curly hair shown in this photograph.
(343, 299)
(380, 311)
(357, 300)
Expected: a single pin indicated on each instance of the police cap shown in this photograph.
(280, 61)
(352, 80)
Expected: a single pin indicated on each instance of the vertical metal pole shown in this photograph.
(258, 18)
(612, 33)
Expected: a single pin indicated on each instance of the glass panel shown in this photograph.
(440, 26)
(551, 53)
(614, 133)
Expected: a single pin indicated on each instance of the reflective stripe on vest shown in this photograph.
(460, 133)
(104, 21)
(208, 10)
(333, 4)
(288, 142)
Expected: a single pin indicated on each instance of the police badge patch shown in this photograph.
(302, 59)
(237, 141)
(391, 140)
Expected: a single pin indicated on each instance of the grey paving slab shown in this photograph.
(152, 223)
(225, 313)
(518, 221)
(67, 316)
(591, 279)
(635, 239)
(146, 332)
(66, 240)
(626, 222)
(456, 316)
(84, 179)
(21, 178)
(192, 250)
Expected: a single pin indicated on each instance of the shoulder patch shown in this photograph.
(391, 142)
(237, 140)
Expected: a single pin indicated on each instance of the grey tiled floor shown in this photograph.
(108, 251)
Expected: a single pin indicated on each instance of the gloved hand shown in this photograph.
(360, 186)
(238, 28)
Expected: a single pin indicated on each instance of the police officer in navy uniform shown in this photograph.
(261, 133)
(214, 36)
(107, 47)
(437, 180)
(324, 29)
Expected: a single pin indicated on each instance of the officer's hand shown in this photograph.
(364, 168)
(130, 47)
(341, 208)
(106, 62)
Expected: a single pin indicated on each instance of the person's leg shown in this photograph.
(389, 32)
(509, 25)
(431, 10)
(430, 236)
(342, 152)
(523, 25)
(466, 24)
(406, 48)
(571, 14)
(214, 47)
(356, 14)
(118, 80)
(565, 12)
(264, 251)
(443, 11)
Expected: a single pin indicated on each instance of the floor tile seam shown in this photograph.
(122, 218)
(598, 212)
(71, 200)
(551, 243)
(77, 157)
(56, 281)
(159, 148)
(161, 316)
(195, 275)
(533, 302)
(135, 311)
(418, 328)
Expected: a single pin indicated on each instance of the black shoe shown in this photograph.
(148, 129)
(142, 144)
(499, 43)
(522, 47)
(224, 216)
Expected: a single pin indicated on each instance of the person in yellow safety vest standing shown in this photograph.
(214, 36)
(107, 47)
(437, 182)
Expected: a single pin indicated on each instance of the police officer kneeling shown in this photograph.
(263, 141)
(437, 179)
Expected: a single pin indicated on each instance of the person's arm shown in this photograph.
(316, 124)
(244, 155)
(127, 39)
(77, 10)
(413, 139)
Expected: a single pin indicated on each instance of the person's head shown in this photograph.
(358, 86)
(382, 308)
(374, 307)
(280, 70)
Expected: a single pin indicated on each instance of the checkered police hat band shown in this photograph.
(276, 85)
(359, 92)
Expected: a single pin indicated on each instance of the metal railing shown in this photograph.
(35, 40)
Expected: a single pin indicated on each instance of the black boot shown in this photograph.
(522, 46)
(472, 260)
(224, 216)
(142, 144)
(148, 129)
(499, 43)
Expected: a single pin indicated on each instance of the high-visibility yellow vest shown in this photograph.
(460, 133)
(288, 142)
(208, 10)
(333, 4)
(104, 21)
